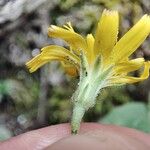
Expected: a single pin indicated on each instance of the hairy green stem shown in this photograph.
(78, 113)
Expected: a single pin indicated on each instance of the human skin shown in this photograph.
(92, 136)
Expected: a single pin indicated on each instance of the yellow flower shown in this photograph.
(99, 60)
(103, 44)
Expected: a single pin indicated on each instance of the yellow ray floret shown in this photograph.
(132, 39)
(70, 69)
(128, 79)
(128, 66)
(76, 41)
(53, 52)
(106, 33)
(90, 45)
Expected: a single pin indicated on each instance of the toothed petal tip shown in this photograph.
(110, 12)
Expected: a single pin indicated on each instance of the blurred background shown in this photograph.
(31, 101)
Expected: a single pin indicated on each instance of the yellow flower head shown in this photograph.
(104, 44)
(100, 60)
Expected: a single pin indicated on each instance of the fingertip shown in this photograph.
(41, 138)
(98, 140)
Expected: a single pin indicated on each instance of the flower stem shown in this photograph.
(78, 113)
